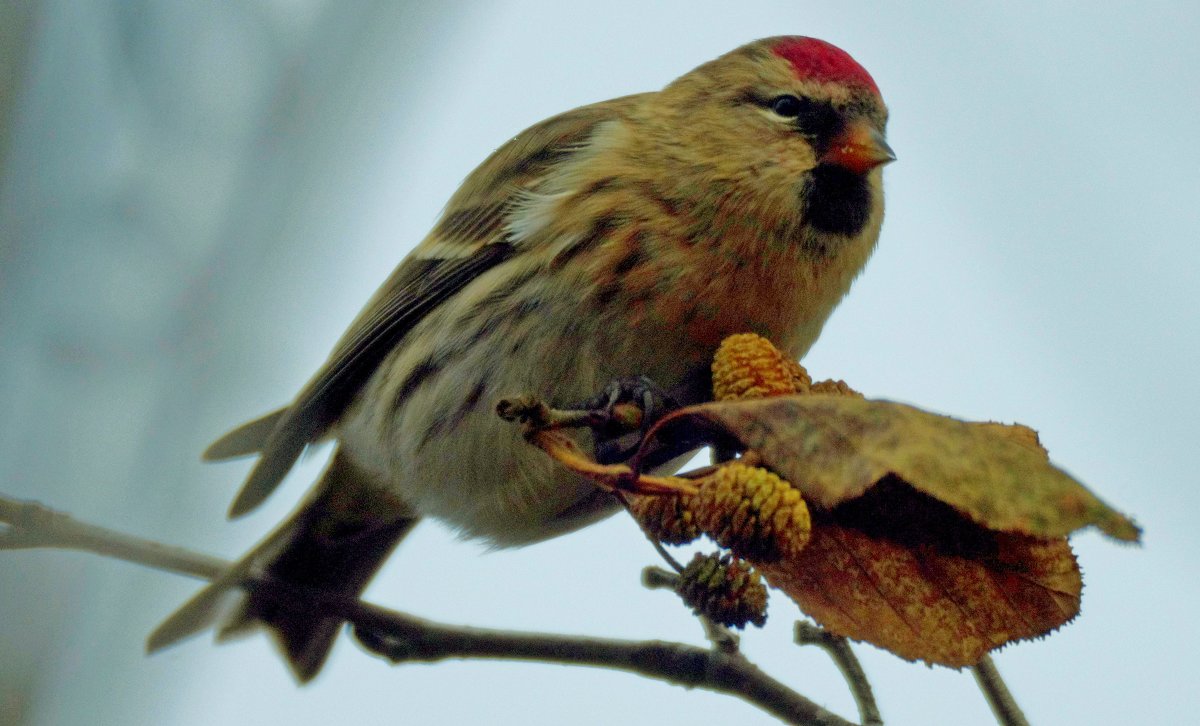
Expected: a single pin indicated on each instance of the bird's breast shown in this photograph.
(682, 297)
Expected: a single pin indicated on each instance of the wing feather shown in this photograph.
(469, 239)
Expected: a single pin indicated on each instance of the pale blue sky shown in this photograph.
(200, 198)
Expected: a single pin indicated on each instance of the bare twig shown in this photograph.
(658, 546)
(401, 637)
(33, 525)
(1004, 706)
(676, 663)
(656, 578)
(838, 649)
(722, 638)
(536, 414)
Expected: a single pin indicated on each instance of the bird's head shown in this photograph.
(788, 130)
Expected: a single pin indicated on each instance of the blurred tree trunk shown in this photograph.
(16, 29)
(173, 176)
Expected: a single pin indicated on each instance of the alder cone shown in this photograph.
(726, 590)
(749, 366)
(667, 518)
(751, 511)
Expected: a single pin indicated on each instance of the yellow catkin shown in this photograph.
(801, 381)
(834, 388)
(725, 589)
(749, 366)
(752, 512)
(667, 518)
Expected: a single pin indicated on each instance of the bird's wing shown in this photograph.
(469, 239)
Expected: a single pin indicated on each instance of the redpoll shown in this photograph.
(622, 239)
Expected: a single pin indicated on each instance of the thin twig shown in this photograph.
(839, 650)
(657, 545)
(31, 525)
(401, 637)
(536, 414)
(676, 663)
(1004, 706)
(656, 578)
(808, 634)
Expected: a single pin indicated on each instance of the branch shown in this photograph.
(401, 638)
(722, 638)
(32, 525)
(839, 650)
(1004, 706)
(410, 639)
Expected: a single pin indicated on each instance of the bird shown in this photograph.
(619, 241)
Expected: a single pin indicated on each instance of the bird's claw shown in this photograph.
(621, 429)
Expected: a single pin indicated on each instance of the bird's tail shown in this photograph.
(333, 544)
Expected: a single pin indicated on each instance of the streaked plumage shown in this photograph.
(618, 239)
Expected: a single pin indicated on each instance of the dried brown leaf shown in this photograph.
(923, 603)
(835, 448)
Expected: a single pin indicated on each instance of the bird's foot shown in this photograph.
(627, 408)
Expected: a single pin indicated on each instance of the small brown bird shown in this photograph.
(617, 240)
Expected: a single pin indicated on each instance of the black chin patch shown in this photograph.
(836, 200)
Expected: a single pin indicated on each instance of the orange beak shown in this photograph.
(860, 148)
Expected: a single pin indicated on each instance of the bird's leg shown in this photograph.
(618, 434)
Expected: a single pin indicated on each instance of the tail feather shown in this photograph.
(279, 454)
(193, 617)
(335, 543)
(218, 598)
(247, 439)
(340, 565)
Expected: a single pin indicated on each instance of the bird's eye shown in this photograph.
(787, 106)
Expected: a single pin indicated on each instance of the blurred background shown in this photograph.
(197, 197)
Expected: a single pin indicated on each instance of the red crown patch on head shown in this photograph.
(816, 60)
